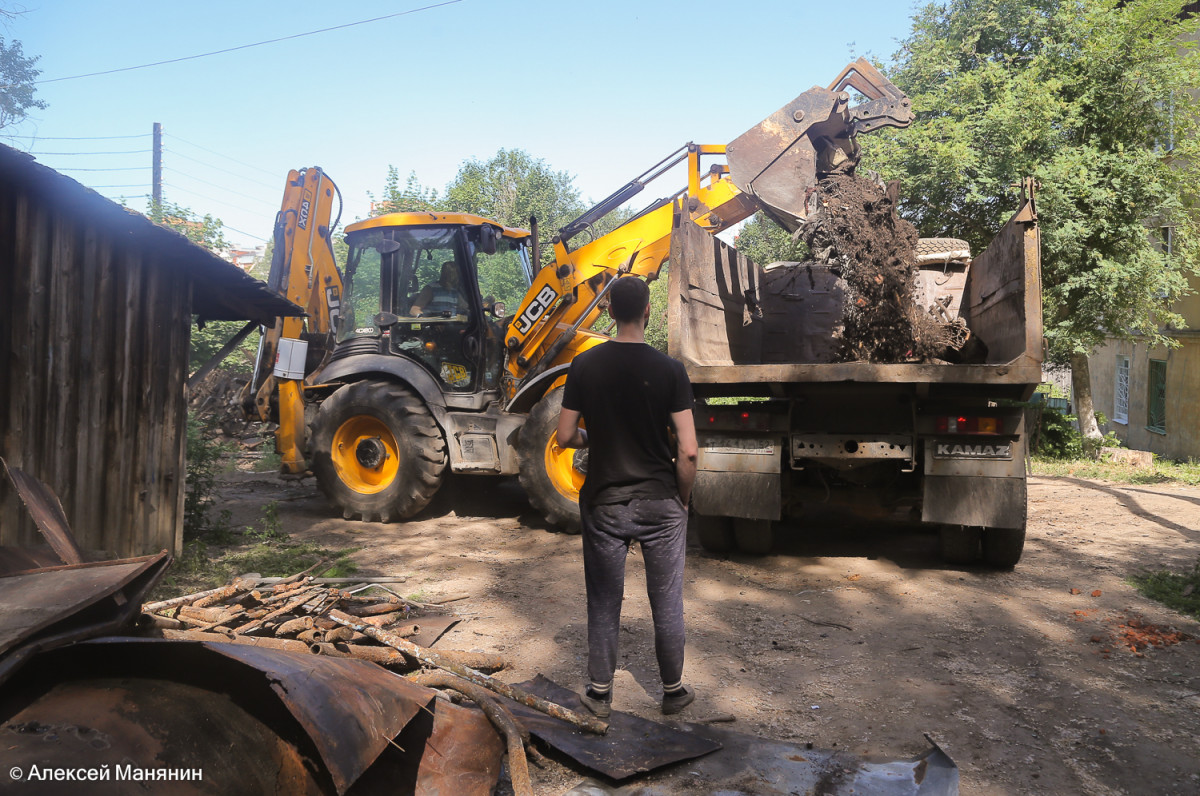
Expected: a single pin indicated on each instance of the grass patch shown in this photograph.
(206, 566)
(1164, 471)
(1178, 591)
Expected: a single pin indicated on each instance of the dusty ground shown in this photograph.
(852, 638)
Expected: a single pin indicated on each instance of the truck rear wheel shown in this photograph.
(551, 474)
(1002, 547)
(959, 543)
(715, 533)
(376, 451)
(753, 536)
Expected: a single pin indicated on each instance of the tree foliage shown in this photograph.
(18, 75)
(765, 242)
(1082, 95)
(205, 231)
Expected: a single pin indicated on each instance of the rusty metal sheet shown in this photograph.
(57, 605)
(632, 745)
(432, 628)
(752, 766)
(47, 513)
(350, 709)
(127, 724)
(341, 715)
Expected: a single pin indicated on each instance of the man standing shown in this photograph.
(637, 488)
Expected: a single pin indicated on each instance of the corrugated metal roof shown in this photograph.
(220, 291)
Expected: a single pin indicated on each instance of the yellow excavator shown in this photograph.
(409, 364)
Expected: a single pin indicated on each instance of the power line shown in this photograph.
(78, 138)
(222, 187)
(240, 232)
(212, 199)
(244, 46)
(77, 168)
(73, 154)
(135, 185)
(218, 168)
(218, 154)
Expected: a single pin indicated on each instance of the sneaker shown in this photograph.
(601, 708)
(673, 703)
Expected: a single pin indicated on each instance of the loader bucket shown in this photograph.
(779, 160)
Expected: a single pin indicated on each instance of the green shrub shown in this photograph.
(203, 463)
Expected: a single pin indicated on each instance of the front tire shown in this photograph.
(551, 475)
(376, 451)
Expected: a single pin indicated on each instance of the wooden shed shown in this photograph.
(96, 306)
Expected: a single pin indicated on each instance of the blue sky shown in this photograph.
(599, 90)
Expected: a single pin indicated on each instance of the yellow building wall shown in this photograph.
(1182, 437)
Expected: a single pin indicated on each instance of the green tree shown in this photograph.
(205, 231)
(512, 186)
(413, 197)
(1091, 97)
(765, 242)
(17, 83)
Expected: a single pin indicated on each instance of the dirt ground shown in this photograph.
(850, 637)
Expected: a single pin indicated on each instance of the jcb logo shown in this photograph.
(536, 309)
(302, 221)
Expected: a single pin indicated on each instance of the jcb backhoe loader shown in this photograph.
(414, 367)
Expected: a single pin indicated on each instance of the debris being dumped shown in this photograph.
(853, 227)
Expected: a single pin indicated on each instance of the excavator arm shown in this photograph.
(771, 167)
(304, 270)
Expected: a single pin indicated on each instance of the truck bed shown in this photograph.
(736, 332)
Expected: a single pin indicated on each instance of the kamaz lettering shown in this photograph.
(536, 309)
(948, 450)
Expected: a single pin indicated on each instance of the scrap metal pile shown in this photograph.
(300, 614)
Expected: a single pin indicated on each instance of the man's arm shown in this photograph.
(686, 452)
(421, 300)
(570, 435)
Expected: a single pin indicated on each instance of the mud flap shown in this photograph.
(981, 501)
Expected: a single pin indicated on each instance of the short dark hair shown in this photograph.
(628, 299)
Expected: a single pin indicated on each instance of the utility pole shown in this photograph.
(156, 167)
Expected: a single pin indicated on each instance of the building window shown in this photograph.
(1166, 240)
(1121, 391)
(1156, 400)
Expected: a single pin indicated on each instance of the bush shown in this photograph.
(203, 463)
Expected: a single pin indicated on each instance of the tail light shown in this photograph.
(966, 424)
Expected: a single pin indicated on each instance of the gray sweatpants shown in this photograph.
(608, 531)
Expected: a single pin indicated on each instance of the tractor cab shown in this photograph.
(434, 288)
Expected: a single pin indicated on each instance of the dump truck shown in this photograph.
(785, 428)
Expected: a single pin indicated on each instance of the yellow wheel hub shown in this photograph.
(560, 466)
(365, 454)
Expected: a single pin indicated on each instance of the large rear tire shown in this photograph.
(960, 543)
(715, 533)
(376, 451)
(551, 475)
(1002, 547)
(753, 536)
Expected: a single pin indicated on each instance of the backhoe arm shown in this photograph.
(771, 167)
(303, 270)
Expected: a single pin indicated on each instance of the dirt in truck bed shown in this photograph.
(856, 229)
(853, 637)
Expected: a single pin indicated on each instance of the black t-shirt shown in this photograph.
(626, 393)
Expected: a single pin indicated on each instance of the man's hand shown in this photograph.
(570, 435)
(686, 452)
